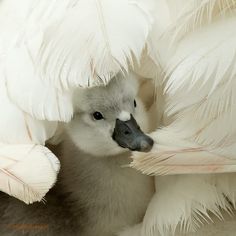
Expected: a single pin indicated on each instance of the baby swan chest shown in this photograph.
(114, 195)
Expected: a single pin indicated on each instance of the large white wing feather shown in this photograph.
(17, 126)
(200, 96)
(93, 39)
(27, 172)
(20, 41)
(33, 95)
(173, 155)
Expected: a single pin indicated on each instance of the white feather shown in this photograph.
(33, 95)
(19, 47)
(199, 55)
(102, 43)
(17, 126)
(183, 202)
(27, 172)
(174, 155)
(196, 14)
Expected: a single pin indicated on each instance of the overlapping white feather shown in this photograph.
(183, 204)
(27, 171)
(176, 155)
(19, 127)
(197, 14)
(199, 117)
(103, 44)
(201, 72)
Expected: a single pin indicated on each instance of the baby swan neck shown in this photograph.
(120, 159)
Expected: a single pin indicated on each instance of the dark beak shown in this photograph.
(129, 135)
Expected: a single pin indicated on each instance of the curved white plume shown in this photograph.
(27, 172)
(17, 126)
(174, 155)
(195, 44)
(92, 42)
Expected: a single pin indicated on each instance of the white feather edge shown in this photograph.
(196, 199)
(201, 52)
(197, 14)
(29, 92)
(21, 37)
(177, 19)
(171, 155)
(27, 172)
(17, 126)
(200, 91)
(102, 42)
(150, 64)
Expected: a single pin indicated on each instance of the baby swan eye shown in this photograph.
(97, 115)
(135, 104)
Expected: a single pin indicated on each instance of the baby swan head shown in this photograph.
(109, 120)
